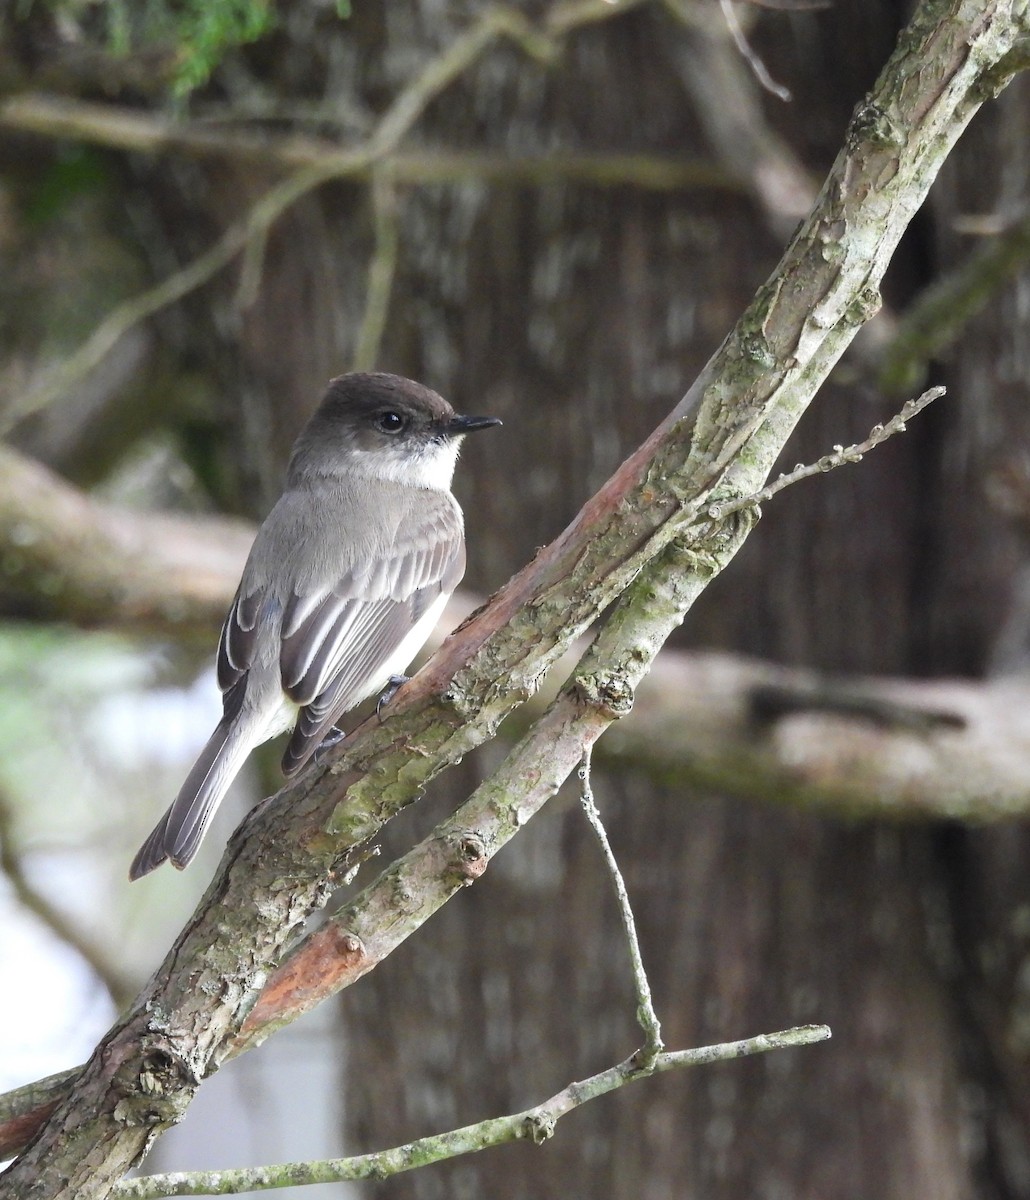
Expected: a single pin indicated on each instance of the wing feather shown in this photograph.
(333, 656)
(338, 631)
(383, 633)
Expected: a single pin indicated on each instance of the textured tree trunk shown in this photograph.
(579, 315)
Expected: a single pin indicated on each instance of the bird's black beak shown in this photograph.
(460, 425)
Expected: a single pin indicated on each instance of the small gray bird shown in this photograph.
(344, 583)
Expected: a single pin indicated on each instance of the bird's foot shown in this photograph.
(393, 686)
(333, 738)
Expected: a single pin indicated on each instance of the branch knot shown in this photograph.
(609, 692)
(538, 1127)
(469, 856)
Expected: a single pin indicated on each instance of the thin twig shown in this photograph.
(252, 270)
(647, 1018)
(570, 14)
(407, 108)
(396, 122)
(829, 462)
(381, 270)
(146, 133)
(534, 1124)
(728, 102)
(792, 5)
(749, 56)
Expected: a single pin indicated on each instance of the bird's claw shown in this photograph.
(393, 686)
(333, 738)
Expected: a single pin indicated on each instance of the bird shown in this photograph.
(345, 581)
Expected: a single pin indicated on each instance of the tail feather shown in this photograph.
(178, 834)
(152, 853)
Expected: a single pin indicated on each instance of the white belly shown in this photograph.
(402, 657)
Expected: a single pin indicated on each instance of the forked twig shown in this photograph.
(535, 1124)
(829, 462)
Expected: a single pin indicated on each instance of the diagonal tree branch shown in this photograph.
(892, 749)
(705, 720)
(648, 527)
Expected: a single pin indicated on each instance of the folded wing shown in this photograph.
(339, 639)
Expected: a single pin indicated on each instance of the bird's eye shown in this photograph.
(390, 422)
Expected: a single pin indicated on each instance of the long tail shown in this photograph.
(178, 834)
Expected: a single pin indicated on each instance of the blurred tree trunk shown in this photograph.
(579, 315)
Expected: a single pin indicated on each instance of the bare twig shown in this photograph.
(535, 1124)
(381, 270)
(647, 1018)
(829, 462)
(748, 54)
(113, 126)
(729, 105)
(319, 163)
(252, 269)
(567, 15)
(792, 5)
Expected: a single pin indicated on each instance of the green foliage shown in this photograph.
(74, 170)
(207, 30)
(199, 32)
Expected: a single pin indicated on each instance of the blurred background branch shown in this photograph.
(936, 748)
(108, 971)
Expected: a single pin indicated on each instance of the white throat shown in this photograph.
(430, 466)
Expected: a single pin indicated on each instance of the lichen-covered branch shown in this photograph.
(886, 748)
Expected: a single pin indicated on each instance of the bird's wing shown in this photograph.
(237, 644)
(336, 643)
